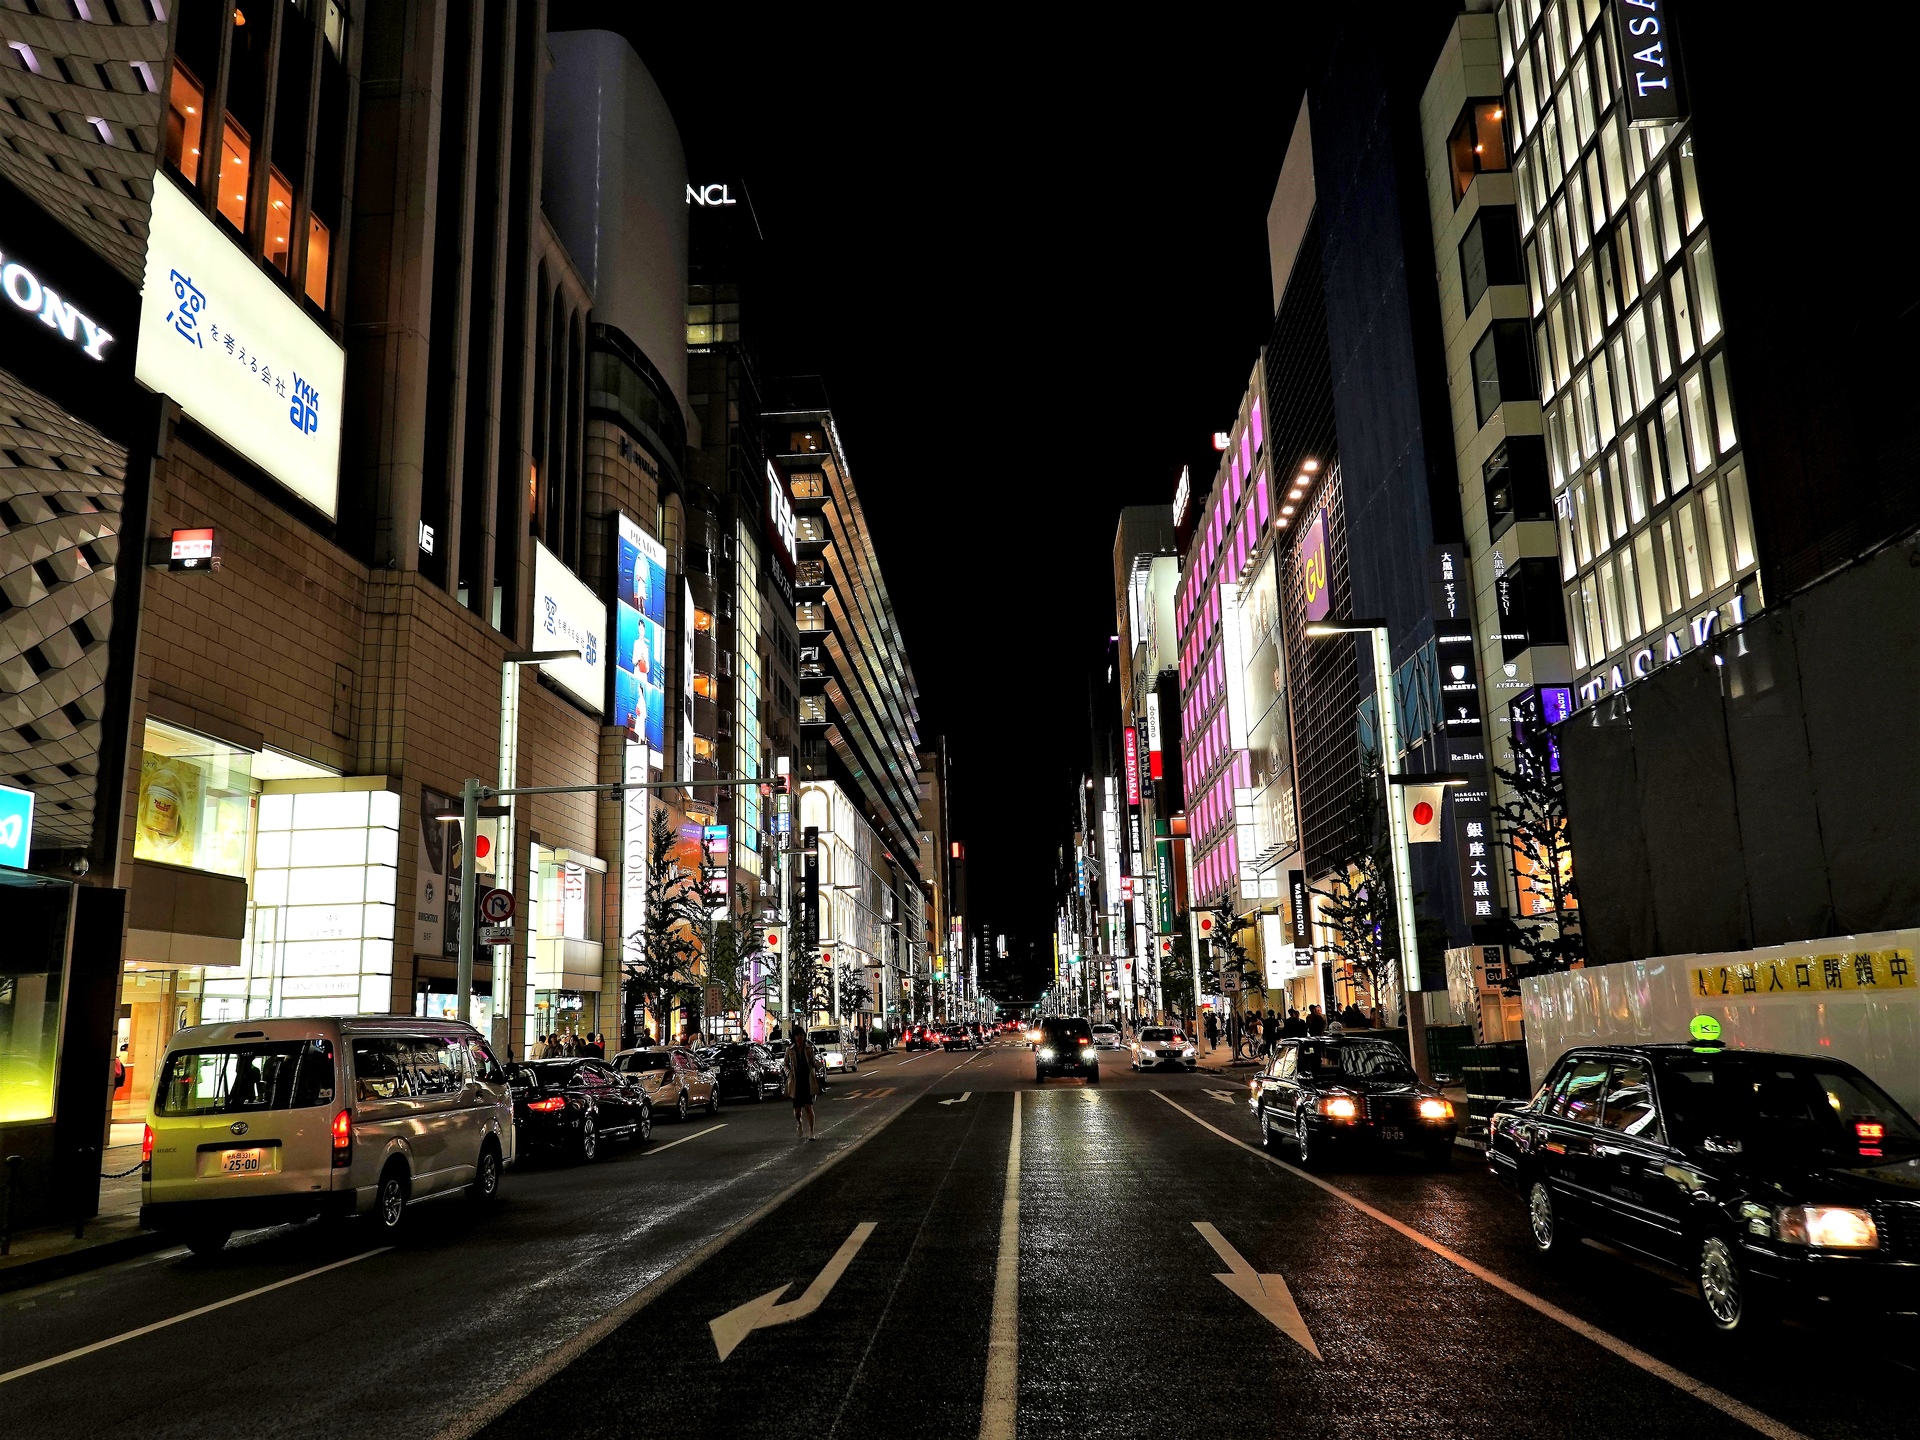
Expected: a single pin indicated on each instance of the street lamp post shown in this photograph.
(1389, 725)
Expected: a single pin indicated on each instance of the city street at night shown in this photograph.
(588, 1297)
(715, 724)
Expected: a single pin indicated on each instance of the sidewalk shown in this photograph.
(51, 1252)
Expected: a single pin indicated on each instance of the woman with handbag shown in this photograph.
(803, 1075)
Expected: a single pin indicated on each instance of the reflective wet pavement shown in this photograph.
(854, 1283)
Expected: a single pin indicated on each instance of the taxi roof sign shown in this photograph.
(1704, 1028)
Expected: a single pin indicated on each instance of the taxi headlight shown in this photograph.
(1046, 1053)
(1436, 1110)
(1834, 1227)
(1187, 1051)
(1339, 1107)
(1088, 1053)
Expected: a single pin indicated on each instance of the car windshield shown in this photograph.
(1066, 1032)
(828, 1036)
(1156, 1034)
(552, 1072)
(277, 1075)
(646, 1060)
(738, 1052)
(1364, 1062)
(1784, 1105)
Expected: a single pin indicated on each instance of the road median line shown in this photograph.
(1633, 1355)
(1000, 1397)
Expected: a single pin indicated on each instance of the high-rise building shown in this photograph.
(1146, 574)
(858, 772)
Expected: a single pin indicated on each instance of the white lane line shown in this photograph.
(1000, 1403)
(661, 1149)
(1633, 1355)
(186, 1315)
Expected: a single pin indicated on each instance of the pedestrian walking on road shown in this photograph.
(1316, 1022)
(1213, 1031)
(803, 1069)
(1269, 1032)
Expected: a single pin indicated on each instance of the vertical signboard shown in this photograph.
(1649, 63)
(1154, 759)
(686, 680)
(436, 910)
(640, 635)
(1130, 757)
(1313, 569)
(633, 853)
(16, 826)
(1299, 912)
(810, 884)
(1459, 669)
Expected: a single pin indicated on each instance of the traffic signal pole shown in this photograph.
(473, 792)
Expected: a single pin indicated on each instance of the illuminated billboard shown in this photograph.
(237, 354)
(1313, 568)
(569, 616)
(640, 636)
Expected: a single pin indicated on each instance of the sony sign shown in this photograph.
(27, 292)
(709, 195)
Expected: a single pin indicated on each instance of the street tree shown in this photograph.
(656, 967)
(1231, 970)
(1357, 909)
(733, 961)
(1531, 814)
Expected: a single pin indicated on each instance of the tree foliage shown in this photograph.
(730, 955)
(1357, 904)
(1532, 820)
(663, 969)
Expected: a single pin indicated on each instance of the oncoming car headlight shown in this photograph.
(1431, 1109)
(1046, 1052)
(1832, 1227)
(1186, 1052)
(1088, 1054)
(1339, 1107)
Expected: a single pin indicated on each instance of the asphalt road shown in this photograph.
(730, 1280)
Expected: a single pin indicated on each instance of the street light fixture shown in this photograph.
(1396, 822)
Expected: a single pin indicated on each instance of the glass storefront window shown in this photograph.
(32, 967)
(196, 801)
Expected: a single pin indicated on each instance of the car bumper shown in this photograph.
(1856, 1281)
(1167, 1062)
(174, 1217)
(1375, 1134)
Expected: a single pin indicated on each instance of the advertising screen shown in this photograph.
(237, 354)
(640, 636)
(569, 616)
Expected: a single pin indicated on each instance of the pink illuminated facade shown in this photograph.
(1218, 767)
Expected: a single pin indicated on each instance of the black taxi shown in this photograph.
(1347, 1092)
(1760, 1175)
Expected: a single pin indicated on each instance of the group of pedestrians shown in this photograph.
(1260, 1032)
(571, 1045)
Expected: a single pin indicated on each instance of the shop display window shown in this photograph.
(196, 801)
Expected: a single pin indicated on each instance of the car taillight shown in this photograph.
(548, 1105)
(342, 1140)
(146, 1152)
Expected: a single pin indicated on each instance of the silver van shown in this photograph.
(261, 1122)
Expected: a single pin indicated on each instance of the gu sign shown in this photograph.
(1313, 568)
(708, 195)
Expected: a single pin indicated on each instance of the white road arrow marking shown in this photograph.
(1266, 1293)
(734, 1326)
(961, 1101)
(1225, 1097)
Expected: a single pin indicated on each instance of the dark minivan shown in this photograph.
(1066, 1048)
(1757, 1174)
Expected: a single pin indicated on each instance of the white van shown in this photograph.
(260, 1122)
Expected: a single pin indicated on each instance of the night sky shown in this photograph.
(1031, 267)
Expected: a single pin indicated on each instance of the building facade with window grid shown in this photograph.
(1655, 531)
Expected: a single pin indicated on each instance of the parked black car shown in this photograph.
(747, 1071)
(575, 1106)
(1758, 1174)
(1066, 1048)
(1340, 1092)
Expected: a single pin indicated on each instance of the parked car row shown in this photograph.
(268, 1121)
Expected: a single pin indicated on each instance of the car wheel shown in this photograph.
(713, 1101)
(390, 1201)
(207, 1242)
(1723, 1284)
(486, 1175)
(1304, 1143)
(644, 1131)
(589, 1142)
(1543, 1219)
(681, 1107)
(1267, 1140)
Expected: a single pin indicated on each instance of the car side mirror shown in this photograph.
(1720, 1145)
(1440, 1079)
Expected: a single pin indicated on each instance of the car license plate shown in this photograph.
(1392, 1132)
(254, 1160)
